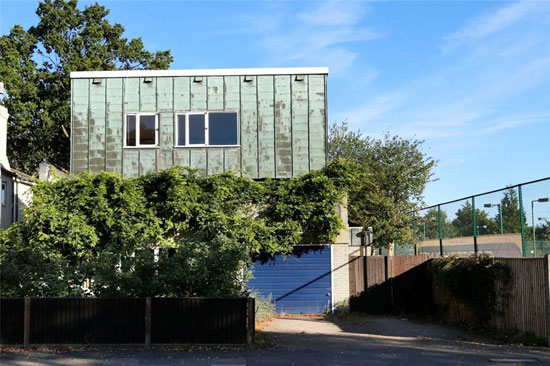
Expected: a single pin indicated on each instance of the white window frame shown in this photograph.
(138, 145)
(206, 129)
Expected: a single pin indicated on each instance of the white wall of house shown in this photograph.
(3, 137)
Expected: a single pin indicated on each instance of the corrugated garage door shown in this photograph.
(299, 283)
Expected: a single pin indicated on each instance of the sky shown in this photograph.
(470, 78)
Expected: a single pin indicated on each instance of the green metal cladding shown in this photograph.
(282, 123)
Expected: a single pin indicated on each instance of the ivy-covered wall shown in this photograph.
(98, 234)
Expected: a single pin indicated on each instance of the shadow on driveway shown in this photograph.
(360, 340)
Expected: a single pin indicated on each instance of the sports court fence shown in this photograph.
(509, 222)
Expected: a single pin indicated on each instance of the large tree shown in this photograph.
(511, 215)
(463, 222)
(393, 174)
(35, 64)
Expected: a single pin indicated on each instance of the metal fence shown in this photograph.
(509, 222)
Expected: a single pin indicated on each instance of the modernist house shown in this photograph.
(265, 122)
(260, 122)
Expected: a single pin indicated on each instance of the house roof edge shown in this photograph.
(200, 72)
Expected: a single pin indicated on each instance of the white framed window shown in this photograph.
(4, 193)
(207, 129)
(141, 130)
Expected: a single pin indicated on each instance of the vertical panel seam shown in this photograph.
(89, 115)
(257, 130)
(326, 118)
(105, 127)
(206, 92)
(71, 154)
(274, 133)
(291, 131)
(308, 129)
(206, 161)
(123, 129)
(157, 115)
(241, 129)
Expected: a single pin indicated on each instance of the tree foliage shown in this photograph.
(392, 174)
(104, 229)
(428, 225)
(35, 65)
(511, 215)
(463, 222)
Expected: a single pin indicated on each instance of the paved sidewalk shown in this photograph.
(136, 358)
(351, 340)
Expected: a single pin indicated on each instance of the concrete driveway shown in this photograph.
(349, 340)
(366, 340)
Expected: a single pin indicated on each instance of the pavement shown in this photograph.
(307, 340)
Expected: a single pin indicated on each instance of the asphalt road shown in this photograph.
(351, 340)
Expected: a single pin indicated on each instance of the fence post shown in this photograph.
(440, 229)
(27, 323)
(522, 218)
(547, 295)
(148, 321)
(474, 223)
(251, 312)
(388, 277)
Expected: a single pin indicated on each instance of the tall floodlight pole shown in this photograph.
(489, 205)
(500, 218)
(544, 199)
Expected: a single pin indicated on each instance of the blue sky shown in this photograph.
(471, 78)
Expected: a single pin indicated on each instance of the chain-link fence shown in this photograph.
(509, 222)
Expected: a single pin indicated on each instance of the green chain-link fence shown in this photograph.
(509, 222)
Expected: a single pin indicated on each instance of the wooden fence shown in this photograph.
(394, 284)
(126, 321)
(525, 308)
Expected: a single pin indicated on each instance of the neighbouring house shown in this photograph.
(17, 186)
(258, 122)
(15, 194)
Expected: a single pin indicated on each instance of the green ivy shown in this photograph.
(478, 281)
(101, 230)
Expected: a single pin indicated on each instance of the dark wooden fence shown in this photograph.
(126, 321)
(404, 284)
(394, 284)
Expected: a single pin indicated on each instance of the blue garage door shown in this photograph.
(298, 283)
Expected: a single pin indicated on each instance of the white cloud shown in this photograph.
(319, 34)
(484, 89)
(491, 23)
(335, 13)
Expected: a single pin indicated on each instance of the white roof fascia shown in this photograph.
(200, 72)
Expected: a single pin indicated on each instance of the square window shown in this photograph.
(222, 128)
(141, 130)
(197, 129)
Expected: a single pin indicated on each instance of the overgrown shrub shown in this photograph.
(477, 281)
(265, 307)
(206, 230)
